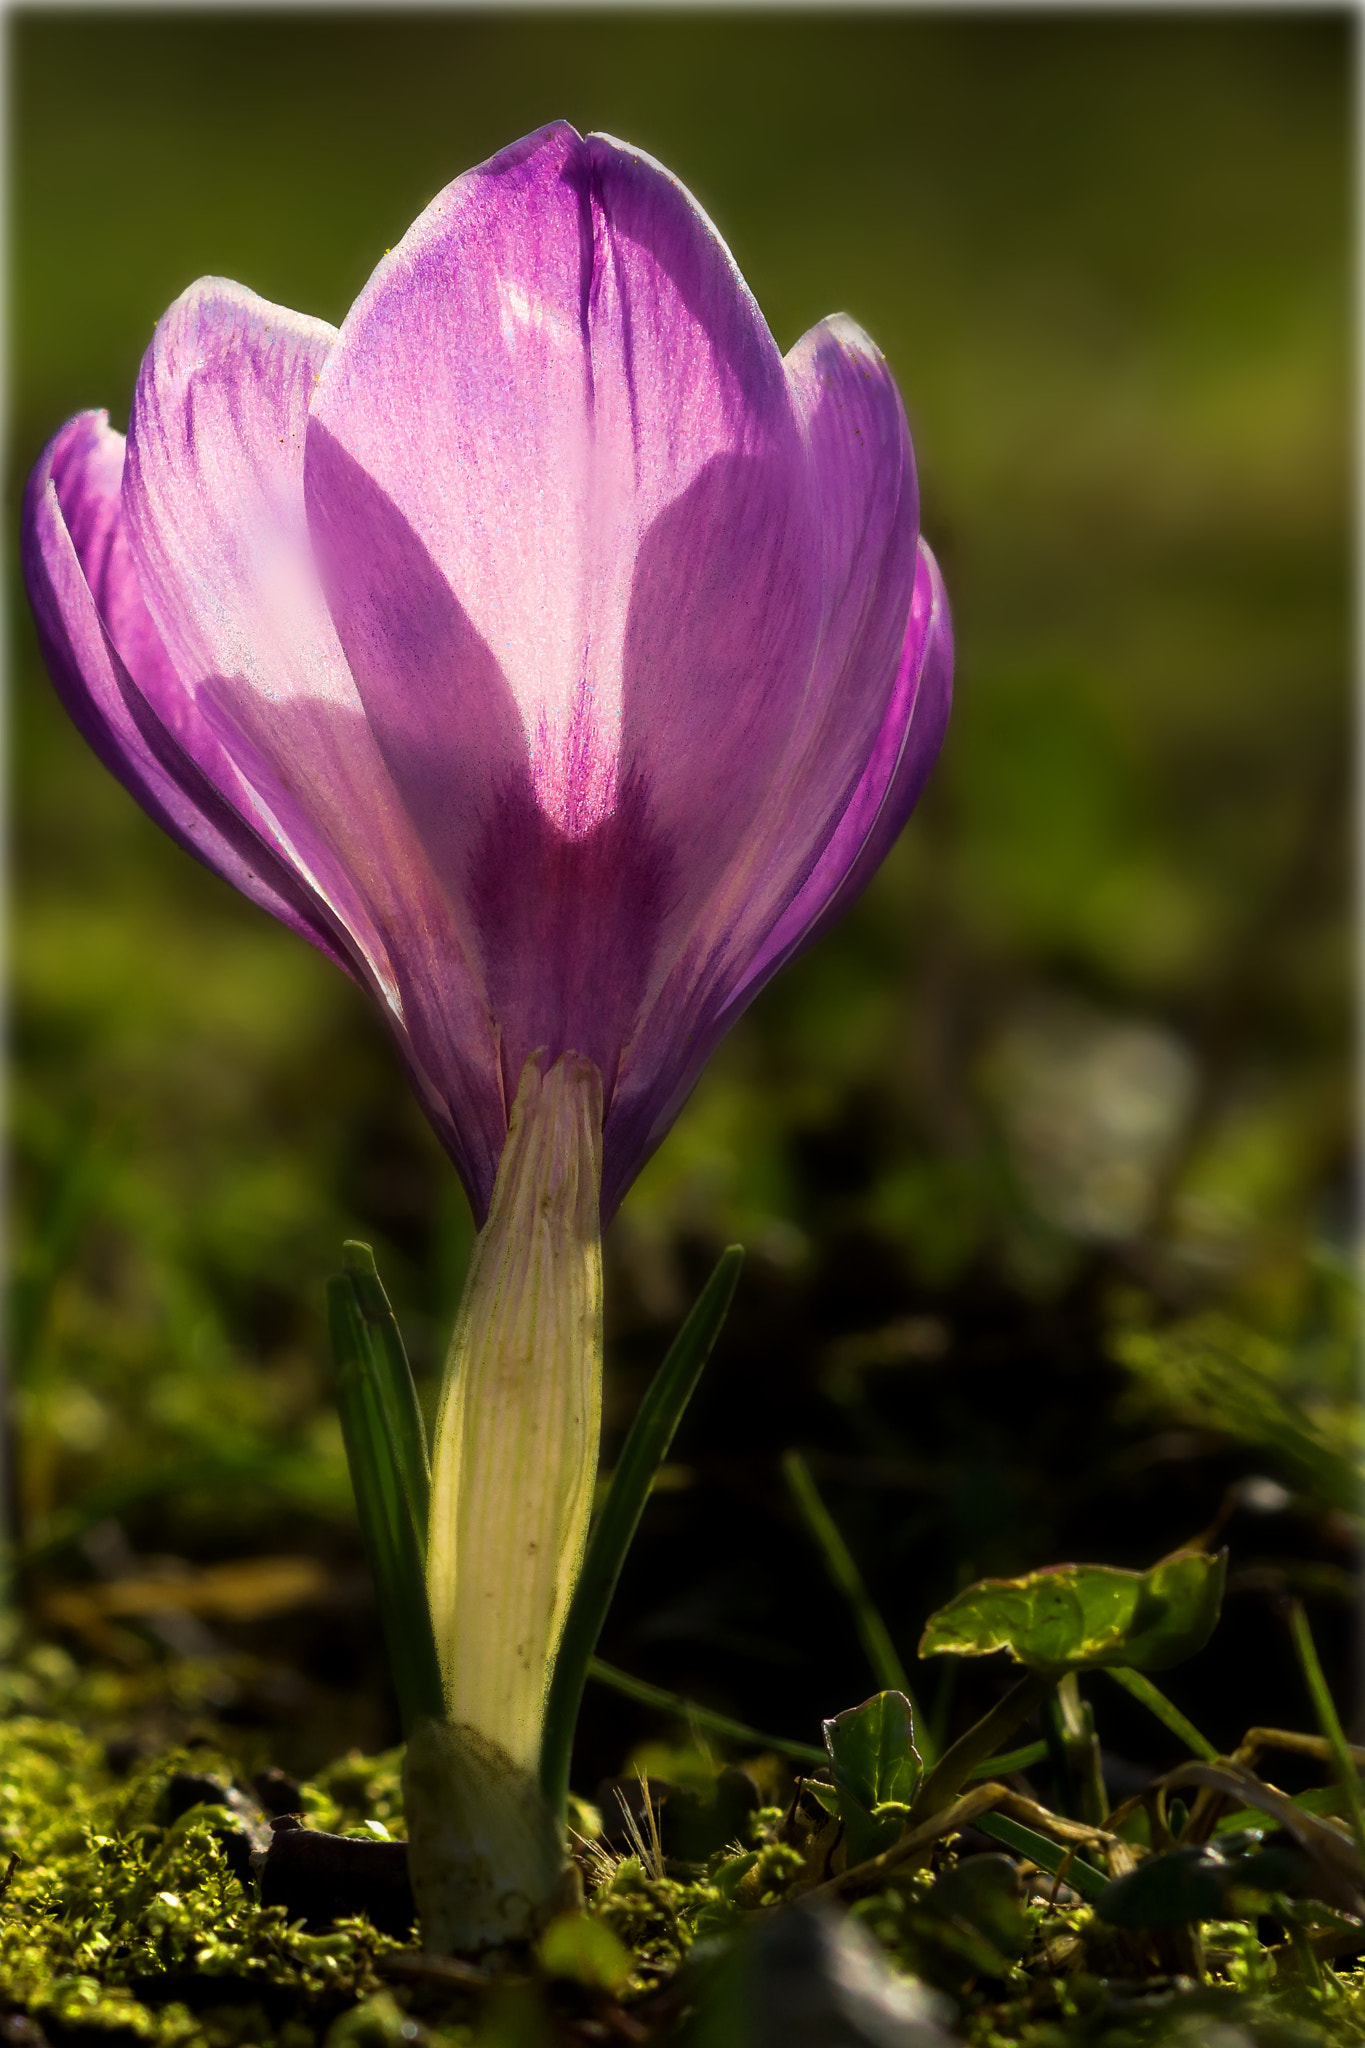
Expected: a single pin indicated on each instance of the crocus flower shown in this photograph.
(542, 645)
(558, 658)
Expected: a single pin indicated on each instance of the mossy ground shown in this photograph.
(119, 1926)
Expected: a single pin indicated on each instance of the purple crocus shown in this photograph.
(543, 645)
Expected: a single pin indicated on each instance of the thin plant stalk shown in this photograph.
(958, 1764)
(1141, 1688)
(738, 1731)
(644, 1451)
(873, 1633)
(1328, 1721)
(688, 1710)
(1009, 1760)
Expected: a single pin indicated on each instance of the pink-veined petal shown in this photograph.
(100, 645)
(262, 698)
(559, 488)
(654, 1086)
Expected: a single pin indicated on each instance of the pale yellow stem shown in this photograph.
(517, 1433)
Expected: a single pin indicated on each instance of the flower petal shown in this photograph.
(698, 1007)
(599, 572)
(558, 353)
(94, 629)
(888, 789)
(262, 698)
(862, 478)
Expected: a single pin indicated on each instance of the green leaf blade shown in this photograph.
(692, 1712)
(393, 1546)
(644, 1451)
(1072, 1869)
(388, 1364)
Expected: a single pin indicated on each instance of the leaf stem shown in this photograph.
(981, 1740)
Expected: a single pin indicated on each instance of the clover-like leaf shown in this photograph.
(874, 1764)
(1073, 1615)
(872, 1750)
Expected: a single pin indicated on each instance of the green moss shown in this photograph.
(119, 1927)
(112, 1920)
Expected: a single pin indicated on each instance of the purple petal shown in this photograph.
(863, 480)
(675, 1043)
(94, 630)
(888, 790)
(560, 490)
(262, 700)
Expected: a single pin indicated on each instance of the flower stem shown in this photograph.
(516, 1436)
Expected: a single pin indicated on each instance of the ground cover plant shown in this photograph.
(1040, 1164)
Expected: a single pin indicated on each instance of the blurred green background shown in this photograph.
(1044, 1156)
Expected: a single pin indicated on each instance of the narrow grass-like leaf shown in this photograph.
(393, 1378)
(688, 1710)
(875, 1637)
(644, 1451)
(1140, 1686)
(387, 1518)
(1082, 1877)
(1012, 1760)
(1325, 1708)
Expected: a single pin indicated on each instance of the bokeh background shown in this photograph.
(1043, 1157)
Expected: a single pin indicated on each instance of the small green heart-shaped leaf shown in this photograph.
(872, 1750)
(1073, 1615)
(874, 1763)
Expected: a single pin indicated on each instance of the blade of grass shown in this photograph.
(1330, 1725)
(642, 1454)
(393, 1379)
(256, 1464)
(688, 1710)
(1319, 1799)
(873, 1633)
(1083, 1877)
(388, 1524)
(1012, 1760)
(1140, 1686)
